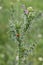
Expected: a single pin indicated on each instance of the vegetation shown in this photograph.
(21, 32)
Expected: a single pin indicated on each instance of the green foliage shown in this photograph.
(21, 32)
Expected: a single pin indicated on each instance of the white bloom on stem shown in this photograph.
(17, 58)
(18, 0)
(39, 35)
(40, 59)
(2, 55)
(0, 7)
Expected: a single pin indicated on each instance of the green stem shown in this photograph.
(19, 51)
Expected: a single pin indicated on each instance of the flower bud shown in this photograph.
(26, 12)
(30, 9)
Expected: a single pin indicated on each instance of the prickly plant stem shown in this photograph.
(20, 51)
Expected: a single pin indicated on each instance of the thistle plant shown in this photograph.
(18, 32)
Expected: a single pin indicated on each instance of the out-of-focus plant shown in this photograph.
(18, 31)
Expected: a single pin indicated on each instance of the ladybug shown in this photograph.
(17, 35)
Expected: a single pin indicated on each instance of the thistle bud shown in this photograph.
(30, 9)
(26, 12)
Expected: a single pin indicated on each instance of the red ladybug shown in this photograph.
(17, 35)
